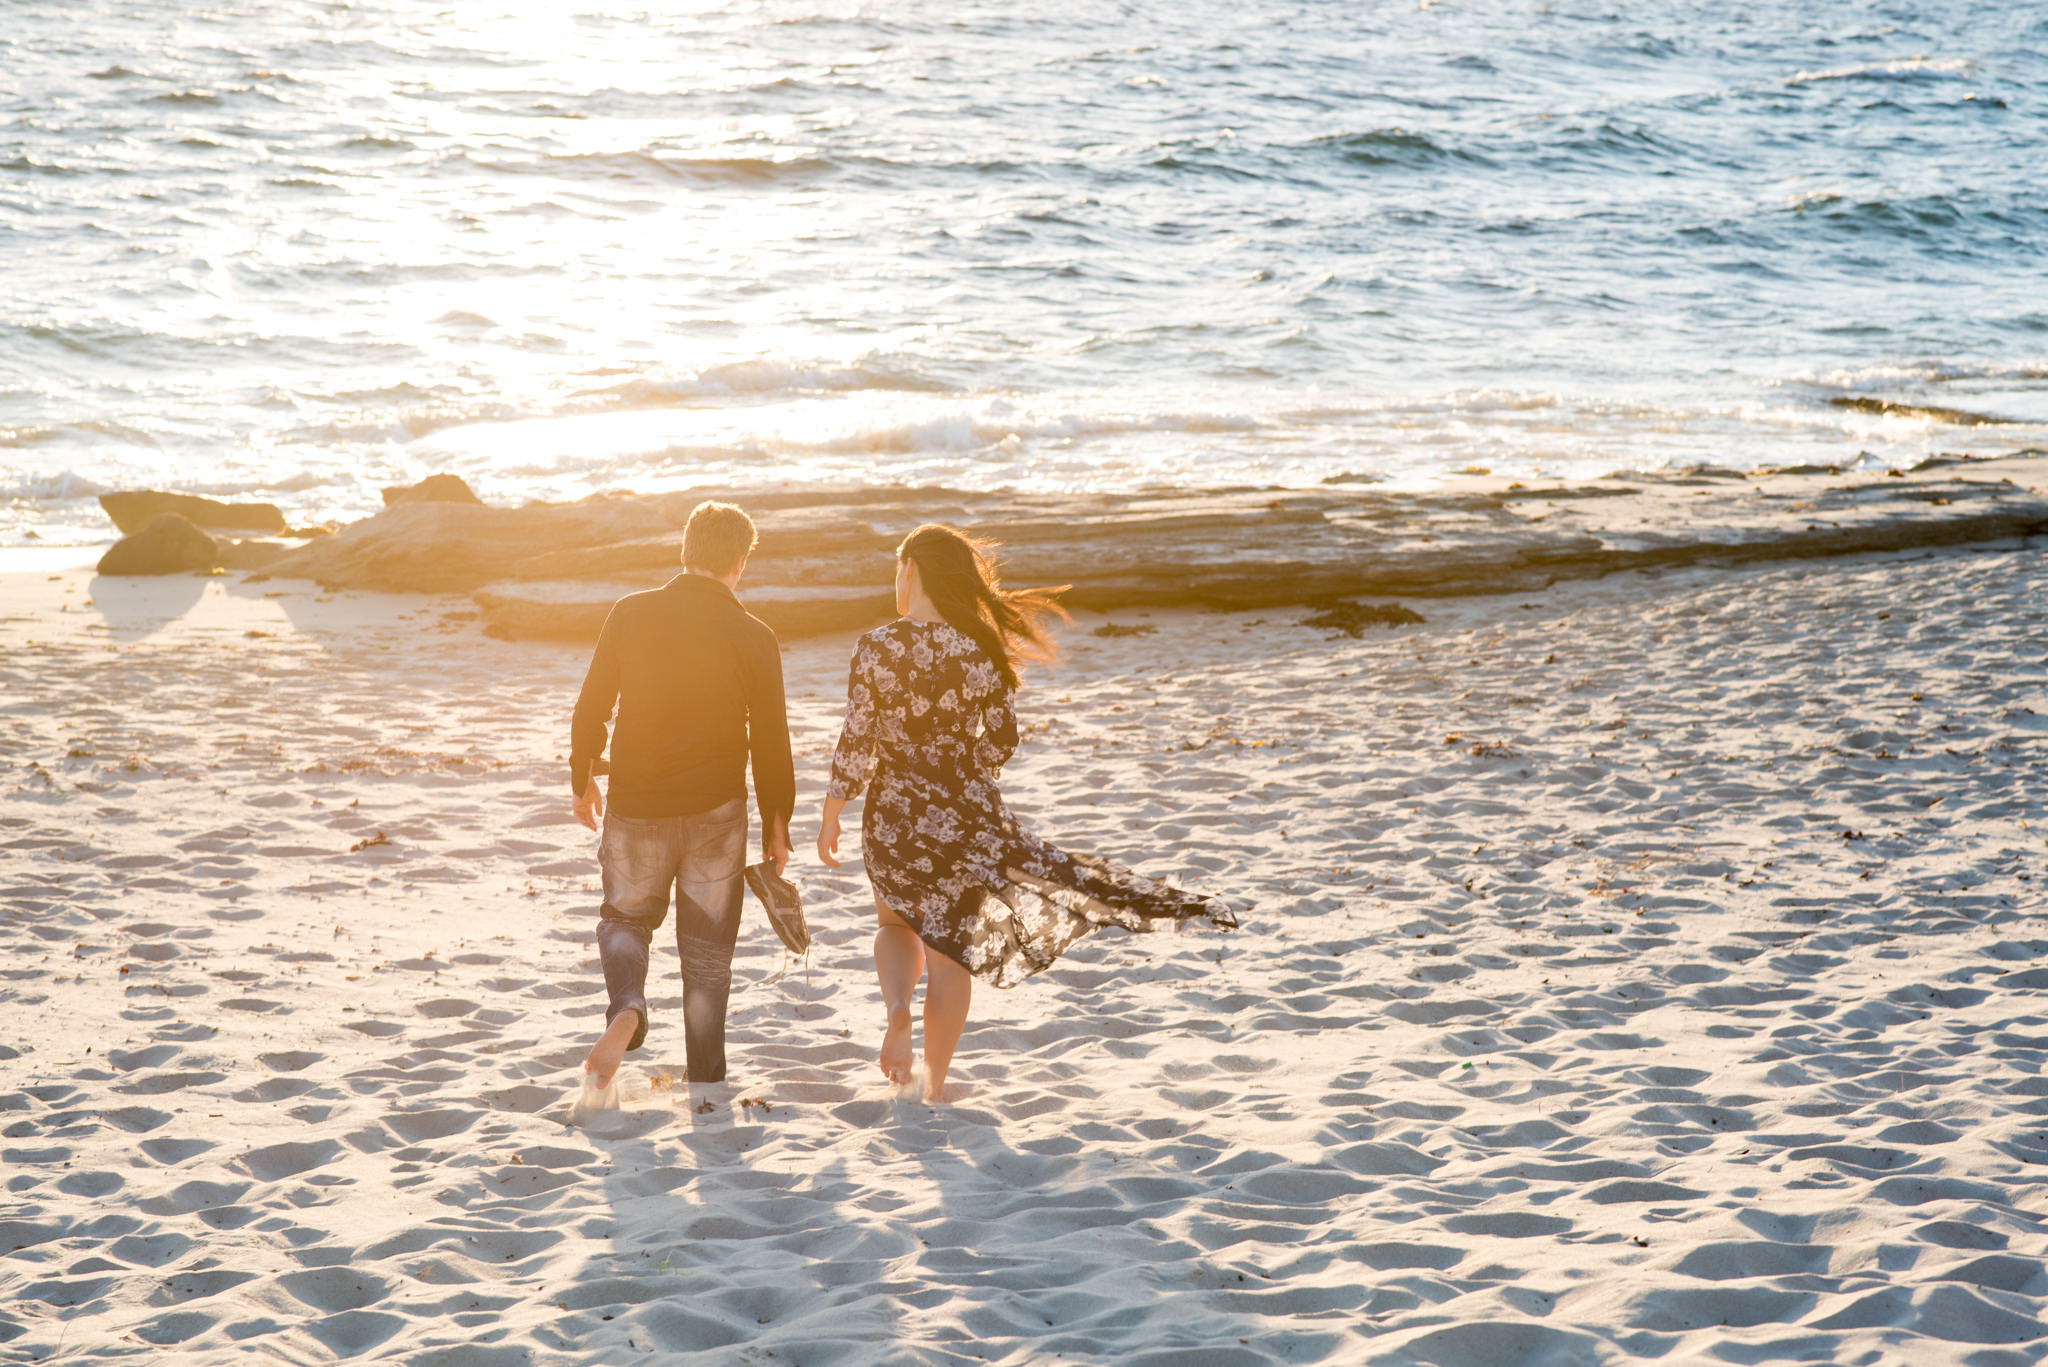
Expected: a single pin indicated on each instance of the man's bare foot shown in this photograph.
(895, 1058)
(610, 1050)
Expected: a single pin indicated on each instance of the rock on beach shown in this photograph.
(170, 544)
(433, 489)
(551, 571)
(132, 510)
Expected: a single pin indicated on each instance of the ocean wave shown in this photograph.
(1897, 69)
(63, 486)
(299, 483)
(906, 427)
(40, 434)
(643, 164)
(407, 412)
(38, 168)
(1395, 147)
(1890, 375)
(1893, 408)
(1911, 216)
(765, 376)
(1609, 143)
(369, 427)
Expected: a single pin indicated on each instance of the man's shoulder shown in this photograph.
(643, 601)
(637, 606)
(694, 611)
(753, 629)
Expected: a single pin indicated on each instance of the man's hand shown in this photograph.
(828, 835)
(775, 846)
(590, 806)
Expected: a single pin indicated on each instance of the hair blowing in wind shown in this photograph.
(960, 579)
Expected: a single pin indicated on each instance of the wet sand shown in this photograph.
(1646, 967)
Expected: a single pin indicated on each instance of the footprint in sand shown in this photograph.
(593, 1100)
(171, 1152)
(417, 1127)
(158, 1083)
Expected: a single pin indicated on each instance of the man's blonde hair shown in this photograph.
(717, 539)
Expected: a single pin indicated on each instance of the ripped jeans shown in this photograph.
(702, 857)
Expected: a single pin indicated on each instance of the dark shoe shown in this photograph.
(785, 909)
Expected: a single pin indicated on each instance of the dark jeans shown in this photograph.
(702, 857)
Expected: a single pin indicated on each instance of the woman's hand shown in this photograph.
(828, 832)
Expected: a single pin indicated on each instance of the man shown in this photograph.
(698, 684)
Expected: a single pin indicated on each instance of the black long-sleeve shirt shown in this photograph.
(698, 683)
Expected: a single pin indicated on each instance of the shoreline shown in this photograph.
(545, 571)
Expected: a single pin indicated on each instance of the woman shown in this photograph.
(929, 723)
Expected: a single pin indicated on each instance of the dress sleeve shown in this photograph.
(853, 763)
(998, 738)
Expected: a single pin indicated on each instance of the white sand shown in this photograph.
(1605, 1042)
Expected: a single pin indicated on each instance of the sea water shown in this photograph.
(297, 251)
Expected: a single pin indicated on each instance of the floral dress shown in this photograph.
(929, 724)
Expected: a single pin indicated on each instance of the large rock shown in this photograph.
(247, 555)
(575, 612)
(433, 489)
(168, 545)
(551, 570)
(460, 547)
(134, 509)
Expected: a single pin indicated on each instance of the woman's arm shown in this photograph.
(828, 832)
(853, 761)
(998, 738)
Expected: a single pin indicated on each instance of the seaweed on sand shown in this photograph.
(1353, 618)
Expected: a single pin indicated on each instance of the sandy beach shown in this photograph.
(1554, 505)
(1645, 968)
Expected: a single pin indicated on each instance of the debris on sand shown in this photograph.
(1353, 618)
(369, 842)
(1113, 629)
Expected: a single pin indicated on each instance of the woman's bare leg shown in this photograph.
(946, 998)
(899, 963)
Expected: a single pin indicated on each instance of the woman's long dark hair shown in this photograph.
(959, 578)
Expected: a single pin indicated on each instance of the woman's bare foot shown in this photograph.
(896, 1058)
(610, 1050)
